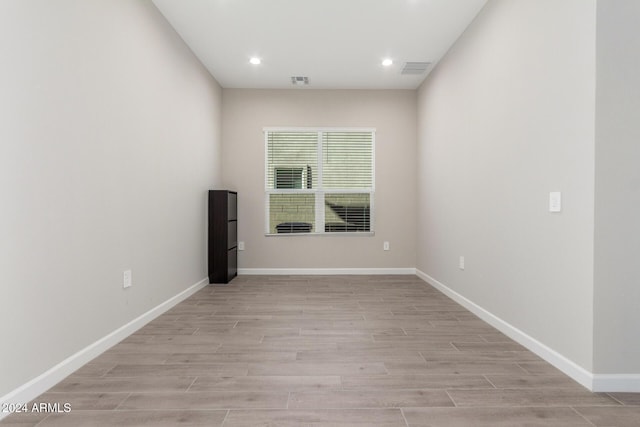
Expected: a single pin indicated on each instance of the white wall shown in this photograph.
(109, 139)
(617, 209)
(505, 118)
(392, 113)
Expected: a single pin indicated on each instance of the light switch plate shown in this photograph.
(555, 201)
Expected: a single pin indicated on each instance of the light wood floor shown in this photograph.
(325, 351)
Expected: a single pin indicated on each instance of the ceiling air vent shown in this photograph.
(415, 67)
(299, 80)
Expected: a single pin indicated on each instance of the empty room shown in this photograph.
(319, 212)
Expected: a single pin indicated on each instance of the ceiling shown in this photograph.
(337, 44)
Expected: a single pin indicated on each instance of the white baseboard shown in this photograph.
(324, 271)
(578, 373)
(629, 383)
(48, 379)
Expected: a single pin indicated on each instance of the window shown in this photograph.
(319, 180)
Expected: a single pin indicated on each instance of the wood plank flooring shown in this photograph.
(324, 351)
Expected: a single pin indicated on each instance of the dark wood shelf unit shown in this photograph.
(223, 236)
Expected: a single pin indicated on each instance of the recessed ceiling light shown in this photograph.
(387, 62)
(255, 61)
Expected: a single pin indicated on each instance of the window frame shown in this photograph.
(319, 192)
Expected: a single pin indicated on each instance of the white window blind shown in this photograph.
(319, 180)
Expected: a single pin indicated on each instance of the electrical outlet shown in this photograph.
(555, 201)
(241, 246)
(385, 246)
(461, 263)
(126, 279)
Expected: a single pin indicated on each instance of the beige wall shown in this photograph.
(617, 209)
(109, 139)
(504, 119)
(392, 113)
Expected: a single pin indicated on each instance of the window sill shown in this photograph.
(326, 234)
